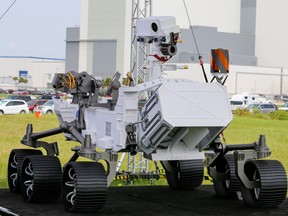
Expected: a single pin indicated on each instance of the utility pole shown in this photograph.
(281, 83)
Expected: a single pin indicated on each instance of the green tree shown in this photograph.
(23, 80)
(15, 79)
(106, 82)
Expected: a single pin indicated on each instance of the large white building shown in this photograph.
(101, 45)
(269, 81)
(38, 71)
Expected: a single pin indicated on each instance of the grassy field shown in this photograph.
(244, 129)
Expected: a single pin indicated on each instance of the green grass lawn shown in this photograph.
(245, 129)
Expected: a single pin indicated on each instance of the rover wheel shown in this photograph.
(40, 178)
(22, 112)
(272, 179)
(231, 184)
(84, 186)
(189, 174)
(14, 166)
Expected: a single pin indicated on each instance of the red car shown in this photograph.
(33, 103)
(21, 92)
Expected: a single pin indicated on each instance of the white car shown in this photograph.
(237, 104)
(263, 107)
(284, 107)
(46, 108)
(13, 107)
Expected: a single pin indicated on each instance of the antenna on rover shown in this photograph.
(194, 38)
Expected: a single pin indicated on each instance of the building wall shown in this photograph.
(272, 33)
(40, 71)
(110, 20)
(102, 21)
(72, 49)
(241, 46)
(225, 14)
(251, 79)
(248, 17)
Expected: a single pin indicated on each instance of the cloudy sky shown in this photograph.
(37, 27)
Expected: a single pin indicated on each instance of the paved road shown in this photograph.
(148, 201)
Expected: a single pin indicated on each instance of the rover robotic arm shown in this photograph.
(82, 86)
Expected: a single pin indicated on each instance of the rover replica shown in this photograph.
(175, 121)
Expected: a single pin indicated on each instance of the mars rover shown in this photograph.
(174, 121)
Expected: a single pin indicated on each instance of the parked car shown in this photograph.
(35, 92)
(21, 92)
(35, 102)
(284, 107)
(237, 104)
(46, 97)
(10, 91)
(20, 97)
(46, 108)
(2, 91)
(263, 107)
(13, 107)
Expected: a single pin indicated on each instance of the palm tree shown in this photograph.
(106, 82)
(15, 79)
(23, 80)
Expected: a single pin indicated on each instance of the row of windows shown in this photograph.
(267, 106)
(15, 103)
